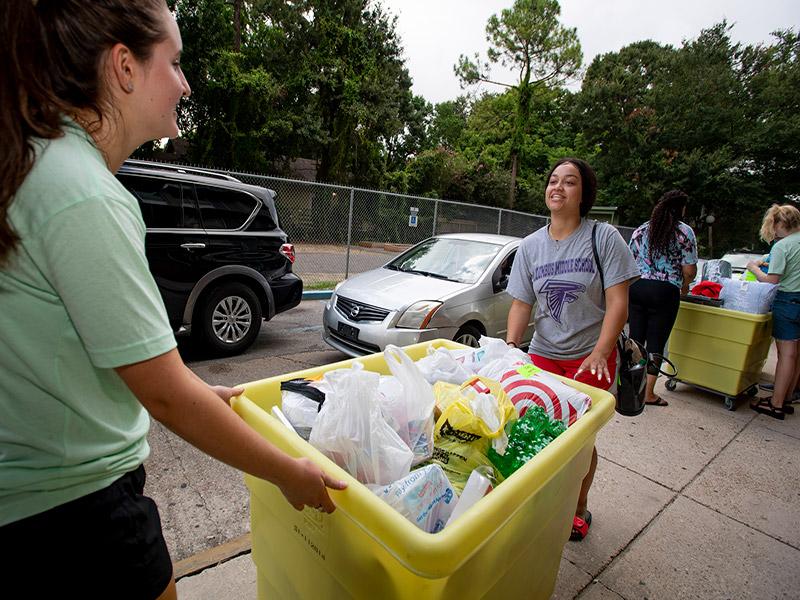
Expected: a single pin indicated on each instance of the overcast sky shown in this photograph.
(435, 32)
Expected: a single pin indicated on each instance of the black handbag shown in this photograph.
(633, 361)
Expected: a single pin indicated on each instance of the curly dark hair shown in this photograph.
(663, 226)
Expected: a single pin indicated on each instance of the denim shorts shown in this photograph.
(107, 544)
(786, 316)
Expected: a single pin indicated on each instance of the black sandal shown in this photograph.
(659, 401)
(787, 406)
(765, 407)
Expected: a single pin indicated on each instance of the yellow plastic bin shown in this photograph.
(719, 350)
(506, 546)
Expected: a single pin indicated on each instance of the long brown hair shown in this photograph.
(51, 58)
(663, 229)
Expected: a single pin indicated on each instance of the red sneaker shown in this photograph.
(580, 527)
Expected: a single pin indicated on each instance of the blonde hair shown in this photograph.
(787, 215)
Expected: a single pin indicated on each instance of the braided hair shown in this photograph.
(663, 227)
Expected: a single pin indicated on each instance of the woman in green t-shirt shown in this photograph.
(86, 350)
(782, 223)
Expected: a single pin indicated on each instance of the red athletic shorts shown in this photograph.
(568, 368)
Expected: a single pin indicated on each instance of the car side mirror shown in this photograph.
(499, 282)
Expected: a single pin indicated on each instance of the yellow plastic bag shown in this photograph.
(473, 416)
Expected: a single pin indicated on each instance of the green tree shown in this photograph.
(360, 86)
(237, 116)
(773, 77)
(273, 80)
(529, 38)
(487, 139)
(414, 137)
(448, 123)
(439, 173)
(616, 111)
(677, 118)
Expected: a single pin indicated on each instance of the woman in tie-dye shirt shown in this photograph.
(665, 250)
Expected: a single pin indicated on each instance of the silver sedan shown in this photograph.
(450, 286)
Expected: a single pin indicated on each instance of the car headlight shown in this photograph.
(419, 314)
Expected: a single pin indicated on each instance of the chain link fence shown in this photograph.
(339, 231)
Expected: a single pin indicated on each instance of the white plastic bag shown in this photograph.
(351, 430)
(496, 368)
(418, 401)
(425, 497)
(445, 365)
(390, 394)
(300, 402)
(393, 405)
(494, 357)
(300, 411)
(747, 296)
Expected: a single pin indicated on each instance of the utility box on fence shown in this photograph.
(508, 545)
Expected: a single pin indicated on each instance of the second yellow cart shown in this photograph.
(719, 350)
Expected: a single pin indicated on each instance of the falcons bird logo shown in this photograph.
(560, 293)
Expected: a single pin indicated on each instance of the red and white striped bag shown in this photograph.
(529, 386)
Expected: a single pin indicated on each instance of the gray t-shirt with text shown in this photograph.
(561, 279)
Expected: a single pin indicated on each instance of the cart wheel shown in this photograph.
(730, 403)
(752, 391)
(670, 385)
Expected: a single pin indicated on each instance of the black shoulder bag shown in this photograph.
(631, 359)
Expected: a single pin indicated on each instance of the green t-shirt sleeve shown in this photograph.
(94, 258)
(777, 261)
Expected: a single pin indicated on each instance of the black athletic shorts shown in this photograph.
(107, 545)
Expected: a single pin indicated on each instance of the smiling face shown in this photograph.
(161, 84)
(564, 190)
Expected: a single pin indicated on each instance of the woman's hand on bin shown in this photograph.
(597, 364)
(308, 486)
(226, 393)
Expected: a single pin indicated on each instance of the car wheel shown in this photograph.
(468, 335)
(230, 319)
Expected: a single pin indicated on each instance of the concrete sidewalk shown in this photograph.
(689, 501)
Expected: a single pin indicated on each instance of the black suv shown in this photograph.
(216, 251)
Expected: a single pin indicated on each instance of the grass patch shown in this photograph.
(319, 285)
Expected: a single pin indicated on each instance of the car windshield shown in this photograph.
(446, 258)
(739, 261)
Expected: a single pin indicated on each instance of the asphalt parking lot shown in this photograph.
(317, 263)
(204, 503)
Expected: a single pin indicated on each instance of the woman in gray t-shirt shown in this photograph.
(577, 322)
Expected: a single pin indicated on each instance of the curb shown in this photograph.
(317, 295)
(212, 557)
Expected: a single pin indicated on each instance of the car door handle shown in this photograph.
(193, 245)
